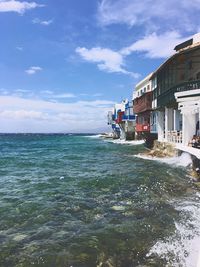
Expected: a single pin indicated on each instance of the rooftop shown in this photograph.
(193, 151)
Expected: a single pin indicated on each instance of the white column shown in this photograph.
(184, 122)
(122, 131)
(175, 120)
(160, 124)
(170, 119)
(189, 127)
(199, 114)
(179, 116)
(166, 123)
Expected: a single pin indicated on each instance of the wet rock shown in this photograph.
(118, 208)
(19, 237)
(83, 257)
(196, 168)
(197, 184)
(161, 150)
(104, 261)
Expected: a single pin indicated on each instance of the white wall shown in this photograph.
(189, 127)
(160, 126)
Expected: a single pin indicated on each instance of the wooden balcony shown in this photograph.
(167, 98)
(120, 115)
(143, 103)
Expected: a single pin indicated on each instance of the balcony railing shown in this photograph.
(143, 103)
(128, 117)
(174, 136)
(142, 127)
(168, 97)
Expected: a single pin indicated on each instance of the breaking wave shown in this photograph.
(124, 142)
(182, 249)
(94, 136)
(184, 160)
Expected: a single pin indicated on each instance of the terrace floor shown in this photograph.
(193, 151)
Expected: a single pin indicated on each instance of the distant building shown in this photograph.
(122, 120)
(115, 127)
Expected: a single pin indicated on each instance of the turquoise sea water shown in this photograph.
(72, 200)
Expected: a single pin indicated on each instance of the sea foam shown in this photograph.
(93, 136)
(184, 244)
(184, 160)
(124, 142)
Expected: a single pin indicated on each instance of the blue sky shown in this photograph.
(64, 63)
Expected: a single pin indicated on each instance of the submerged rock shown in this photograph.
(118, 208)
(19, 237)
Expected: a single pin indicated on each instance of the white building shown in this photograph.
(176, 94)
(189, 106)
(122, 120)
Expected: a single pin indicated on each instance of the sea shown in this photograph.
(81, 201)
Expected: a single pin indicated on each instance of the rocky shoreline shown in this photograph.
(163, 150)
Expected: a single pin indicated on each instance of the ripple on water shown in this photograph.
(81, 202)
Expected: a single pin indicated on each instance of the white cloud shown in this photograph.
(97, 95)
(23, 114)
(33, 70)
(151, 46)
(47, 92)
(18, 114)
(17, 6)
(106, 59)
(67, 95)
(156, 46)
(42, 22)
(119, 11)
(22, 91)
(51, 94)
(4, 91)
(150, 13)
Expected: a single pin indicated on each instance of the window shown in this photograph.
(155, 94)
(140, 120)
(190, 65)
(198, 76)
(158, 90)
(182, 76)
(154, 83)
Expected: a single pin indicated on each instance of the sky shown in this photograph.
(64, 63)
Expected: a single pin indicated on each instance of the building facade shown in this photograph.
(174, 80)
(166, 103)
(115, 127)
(122, 120)
(142, 103)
